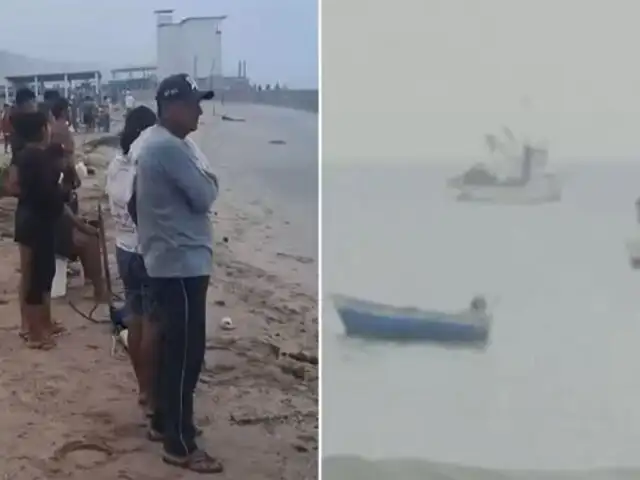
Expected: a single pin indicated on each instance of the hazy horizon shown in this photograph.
(278, 39)
(429, 78)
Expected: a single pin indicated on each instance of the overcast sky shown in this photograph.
(428, 78)
(277, 38)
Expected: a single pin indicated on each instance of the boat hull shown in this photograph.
(373, 321)
(544, 190)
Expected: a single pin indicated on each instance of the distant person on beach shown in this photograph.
(105, 115)
(143, 336)
(89, 113)
(40, 205)
(129, 102)
(74, 113)
(174, 192)
(61, 134)
(6, 127)
(71, 243)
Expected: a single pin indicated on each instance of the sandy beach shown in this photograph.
(72, 411)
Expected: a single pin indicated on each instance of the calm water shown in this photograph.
(559, 386)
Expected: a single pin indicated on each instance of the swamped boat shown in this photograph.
(531, 184)
(377, 321)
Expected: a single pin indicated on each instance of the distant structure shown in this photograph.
(192, 45)
(64, 82)
(140, 77)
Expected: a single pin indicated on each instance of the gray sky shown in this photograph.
(277, 38)
(428, 78)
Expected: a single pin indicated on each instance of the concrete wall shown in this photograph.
(192, 46)
(306, 100)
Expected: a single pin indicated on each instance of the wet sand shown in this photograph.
(72, 413)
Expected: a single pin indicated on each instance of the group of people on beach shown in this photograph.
(43, 177)
(161, 189)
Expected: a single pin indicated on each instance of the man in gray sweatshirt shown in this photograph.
(174, 193)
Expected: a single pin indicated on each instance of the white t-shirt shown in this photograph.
(129, 101)
(120, 175)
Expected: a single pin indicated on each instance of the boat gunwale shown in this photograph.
(464, 317)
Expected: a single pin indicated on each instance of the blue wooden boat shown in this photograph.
(370, 320)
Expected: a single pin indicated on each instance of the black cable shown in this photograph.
(89, 316)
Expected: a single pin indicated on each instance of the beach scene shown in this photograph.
(252, 388)
(554, 392)
(72, 411)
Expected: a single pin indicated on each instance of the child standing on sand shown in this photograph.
(40, 205)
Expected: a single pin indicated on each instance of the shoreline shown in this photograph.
(353, 467)
(73, 410)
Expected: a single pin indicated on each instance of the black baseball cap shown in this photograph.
(181, 87)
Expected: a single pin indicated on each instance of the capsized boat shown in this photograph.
(530, 185)
(543, 189)
(371, 320)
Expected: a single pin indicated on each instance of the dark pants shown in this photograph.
(181, 305)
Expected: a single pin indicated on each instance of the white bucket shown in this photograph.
(59, 287)
(81, 170)
(124, 338)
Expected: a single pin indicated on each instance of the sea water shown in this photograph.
(559, 385)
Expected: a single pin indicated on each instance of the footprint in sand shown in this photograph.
(83, 455)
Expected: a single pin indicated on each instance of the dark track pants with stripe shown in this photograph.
(180, 304)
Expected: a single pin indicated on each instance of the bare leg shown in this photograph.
(35, 317)
(88, 250)
(54, 327)
(25, 259)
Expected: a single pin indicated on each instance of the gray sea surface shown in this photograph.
(559, 385)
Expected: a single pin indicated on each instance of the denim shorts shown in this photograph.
(135, 279)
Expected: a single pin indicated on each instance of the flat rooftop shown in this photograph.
(55, 77)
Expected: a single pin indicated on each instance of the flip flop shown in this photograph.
(199, 461)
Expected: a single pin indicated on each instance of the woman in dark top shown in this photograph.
(40, 205)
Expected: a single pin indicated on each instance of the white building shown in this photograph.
(192, 45)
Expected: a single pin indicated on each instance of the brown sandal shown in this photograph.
(199, 461)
